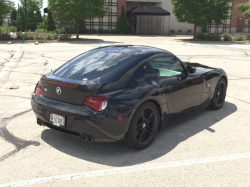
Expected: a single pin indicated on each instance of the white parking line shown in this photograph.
(127, 170)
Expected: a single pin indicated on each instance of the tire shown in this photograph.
(143, 127)
(219, 95)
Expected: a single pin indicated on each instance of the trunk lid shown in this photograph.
(64, 90)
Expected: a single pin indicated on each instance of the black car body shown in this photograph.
(127, 76)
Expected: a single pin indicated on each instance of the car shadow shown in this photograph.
(179, 129)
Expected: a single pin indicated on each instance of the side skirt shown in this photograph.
(190, 111)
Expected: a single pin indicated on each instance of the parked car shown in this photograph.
(124, 93)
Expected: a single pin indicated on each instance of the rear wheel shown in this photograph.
(143, 127)
(219, 95)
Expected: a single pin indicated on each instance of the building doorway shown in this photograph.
(240, 24)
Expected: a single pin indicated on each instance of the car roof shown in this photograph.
(135, 49)
(106, 64)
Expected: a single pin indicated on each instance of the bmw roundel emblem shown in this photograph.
(58, 91)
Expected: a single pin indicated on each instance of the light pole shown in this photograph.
(34, 20)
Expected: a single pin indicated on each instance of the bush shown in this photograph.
(40, 25)
(227, 37)
(122, 26)
(61, 30)
(114, 31)
(93, 31)
(100, 31)
(69, 29)
(240, 38)
(49, 36)
(13, 29)
(55, 36)
(41, 31)
(64, 37)
(7, 29)
(5, 36)
(87, 31)
(202, 36)
(209, 36)
(213, 37)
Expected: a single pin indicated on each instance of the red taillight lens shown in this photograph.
(38, 89)
(97, 103)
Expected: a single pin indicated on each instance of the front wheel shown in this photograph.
(219, 95)
(143, 127)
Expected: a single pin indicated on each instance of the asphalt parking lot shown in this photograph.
(208, 148)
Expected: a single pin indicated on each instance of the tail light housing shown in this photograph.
(98, 103)
(38, 90)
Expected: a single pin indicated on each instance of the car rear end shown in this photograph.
(76, 111)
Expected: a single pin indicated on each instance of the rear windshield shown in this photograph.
(94, 64)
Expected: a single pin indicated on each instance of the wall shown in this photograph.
(121, 3)
(174, 23)
(235, 14)
(163, 22)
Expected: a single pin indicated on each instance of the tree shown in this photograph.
(49, 23)
(122, 26)
(13, 14)
(74, 12)
(33, 13)
(5, 7)
(31, 19)
(20, 20)
(38, 17)
(82, 27)
(245, 9)
(201, 12)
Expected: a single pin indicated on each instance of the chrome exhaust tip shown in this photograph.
(90, 139)
(84, 138)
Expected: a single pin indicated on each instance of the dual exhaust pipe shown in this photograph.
(86, 138)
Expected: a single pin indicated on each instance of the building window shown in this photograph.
(225, 26)
(108, 22)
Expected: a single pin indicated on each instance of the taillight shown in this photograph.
(38, 89)
(96, 102)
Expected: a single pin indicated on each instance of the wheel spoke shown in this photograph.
(217, 99)
(222, 90)
(221, 86)
(142, 136)
(149, 130)
(151, 118)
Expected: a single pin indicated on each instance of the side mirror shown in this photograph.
(191, 69)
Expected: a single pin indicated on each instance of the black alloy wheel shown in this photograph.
(143, 127)
(219, 95)
(146, 127)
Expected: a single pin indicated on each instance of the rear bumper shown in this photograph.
(82, 120)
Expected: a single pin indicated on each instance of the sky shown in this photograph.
(45, 3)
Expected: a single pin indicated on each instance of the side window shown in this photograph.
(167, 66)
(144, 74)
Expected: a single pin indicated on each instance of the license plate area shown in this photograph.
(57, 120)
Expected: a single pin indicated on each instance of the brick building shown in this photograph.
(146, 24)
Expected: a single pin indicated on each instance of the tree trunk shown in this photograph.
(77, 28)
(195, 31)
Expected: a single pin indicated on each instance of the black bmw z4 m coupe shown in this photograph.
(124, 93)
